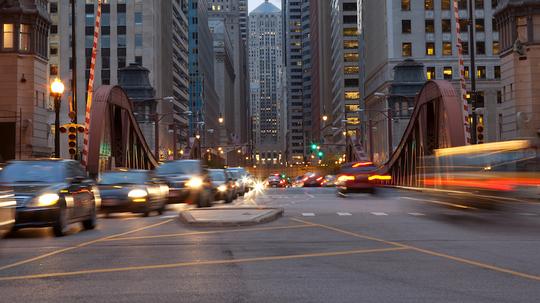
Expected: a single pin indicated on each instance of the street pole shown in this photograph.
(156, 136)
(370, 124)
(472, 71)
(175, 151)
(74, 68)
(57, 126)
(390, 147)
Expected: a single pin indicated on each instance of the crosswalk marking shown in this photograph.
(344, 214)
(379, 214)
(308, 214)
(416, 214)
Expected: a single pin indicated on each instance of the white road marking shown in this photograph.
(439, 202)
(527, 214)
(308, 214)
(379, 214)
(310, 195)
(416, 214)
(168, 217)
(344, 214)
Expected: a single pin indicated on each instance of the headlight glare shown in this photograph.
(222, 188)
(48, 199)
(137, 193)
(194, 182)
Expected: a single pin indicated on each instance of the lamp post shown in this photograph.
(57, 89)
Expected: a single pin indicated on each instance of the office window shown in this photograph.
(479, 25)
(428, 5)
(466, 72)
(352, 82)
(121, 19)
(350, 32)
(497, 72)
(463, 25)
(462, 4)
(53, 70)
(481, 72)
(430, 73)
(349, 7)
(447, 73)
(53, 7)
(350, 57)
(445, 4)
(53, 50)
(138, 40)
(138, 18)
(480, 48)
(429, 26)
(121, 39)
(447, 49)
(354, 95)
(8, 36)
(446, 26)
(348, 70)
(430, 49)
(121, 62)
(350, 44)
(24, 37)
(465, 47)
(106, 19)
(494, 3)
(105, 42)
(406, 26)
(405, 5)
(496, 48)
(54, 29)
(479, 4)
(350, 19)
(89, 19)
(138, 60)
(406, 49)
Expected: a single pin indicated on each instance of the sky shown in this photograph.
(252, 4)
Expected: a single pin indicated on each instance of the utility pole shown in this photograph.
(156, 135)
(73, 104)
(472, 70)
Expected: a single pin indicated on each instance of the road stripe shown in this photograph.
(527, 214)
(308, 214)
(169, 217)
(344, 214)
(379, 214)
(210, 232)
(197, 263)
(425, 251)
(416, 214)
(440, 203)
(56, 252)
(309, 195)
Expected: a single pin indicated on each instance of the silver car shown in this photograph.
(7, 210)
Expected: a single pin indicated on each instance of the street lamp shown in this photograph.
(220, 119)
(57, 89)
(324, 118)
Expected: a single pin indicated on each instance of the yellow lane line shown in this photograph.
(428, 252)
(210, 232)
(440, 203)
(197, 263)
(56, 252)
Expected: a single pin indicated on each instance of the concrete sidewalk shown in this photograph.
(230, 216)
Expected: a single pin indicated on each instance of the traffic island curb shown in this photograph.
(262, 215)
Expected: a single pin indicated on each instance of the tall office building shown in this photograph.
(150, 33)
(345, 37)
(234, 15)
(425, 31)
(306, 74)
(265, 69)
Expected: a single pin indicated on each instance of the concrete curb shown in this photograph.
(273, 214)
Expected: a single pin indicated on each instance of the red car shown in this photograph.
(358, 177)
(312, 180)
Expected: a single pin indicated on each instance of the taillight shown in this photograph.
(319, 178)
(345, 178)
(379, 177)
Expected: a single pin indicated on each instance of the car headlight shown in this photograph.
(195, 182)
(137, 193)
(48, 199)
(222, 188)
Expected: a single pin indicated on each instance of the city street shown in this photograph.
(396, 246)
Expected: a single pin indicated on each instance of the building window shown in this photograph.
(462, 4)
(480, 48)
(463, 25)
(350, 32)
(499, 97)
(406, 49)
(430, 26)
(8, 36)
(89, 19)
(350, 57)
(447, 73)
(121, 39)
(350, 44)
(481, 72)
(479, 4)
(430, 49)
(496, 48)
(428, 5)
(54, 29)
(138, 18)
(479, 25)
(446, 25)
(465, 48)
(352, 95)
(53, 7)
(121, 62)
(53, 50)
(138, 60)
(497, 72)
(405, 5)
(24, 38)
(447, 49)
(406, 26)
(138, 40)
(445, 4)
(466, 72)
(348, 70)
(53, 70)
(430, 73)
(352, 82)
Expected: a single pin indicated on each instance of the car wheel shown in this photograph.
(60, 227)
(161, 210)
(90, 223)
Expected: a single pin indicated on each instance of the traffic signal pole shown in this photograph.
(472, 71)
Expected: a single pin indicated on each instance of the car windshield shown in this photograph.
(110, 178)
(178, 168)
(217, 175)
(33, 171)
(239, 172)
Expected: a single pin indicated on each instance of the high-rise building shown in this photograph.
(25, 107)
(425, 32)
(234, 15)
(345, 37)
(265, 69)
(150, 33)
(306, 74)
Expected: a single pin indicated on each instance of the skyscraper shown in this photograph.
(265, 69)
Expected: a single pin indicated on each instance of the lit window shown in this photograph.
(497, 72)
(447, 72)
(496, 48)
(350, 44)
(428, 5)
(447, 49)
(405, 5)
(8, 36)
(351, 70)
(430, 49)
(352, 95)
(430, 73)
(481, 72)
(350, 32)
(445, 4)
(350, 57)
(24, 38)
(406, 49)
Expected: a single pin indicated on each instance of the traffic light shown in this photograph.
(72, 139)
(479, 133)
(313, 146)
(320, 154)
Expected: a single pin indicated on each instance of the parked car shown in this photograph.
(135, 191)
(188, 182)
(355, 177)
(242, 180)
(7, 210)
(223, 185)
(312, 180)
(51, 193)
(329, 181)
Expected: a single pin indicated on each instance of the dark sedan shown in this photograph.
(51, 193)
(132, 191)
(223, 185)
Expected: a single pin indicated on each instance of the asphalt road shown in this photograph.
(396, 246)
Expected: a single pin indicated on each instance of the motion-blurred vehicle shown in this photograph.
(358, 177)
(7, 210)
(312, 180)
(134, 191)
(275, 180)
(223, 185)
(51, 193)
(329, 181)
(297, 182)
(242, 180)
(188, 182)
